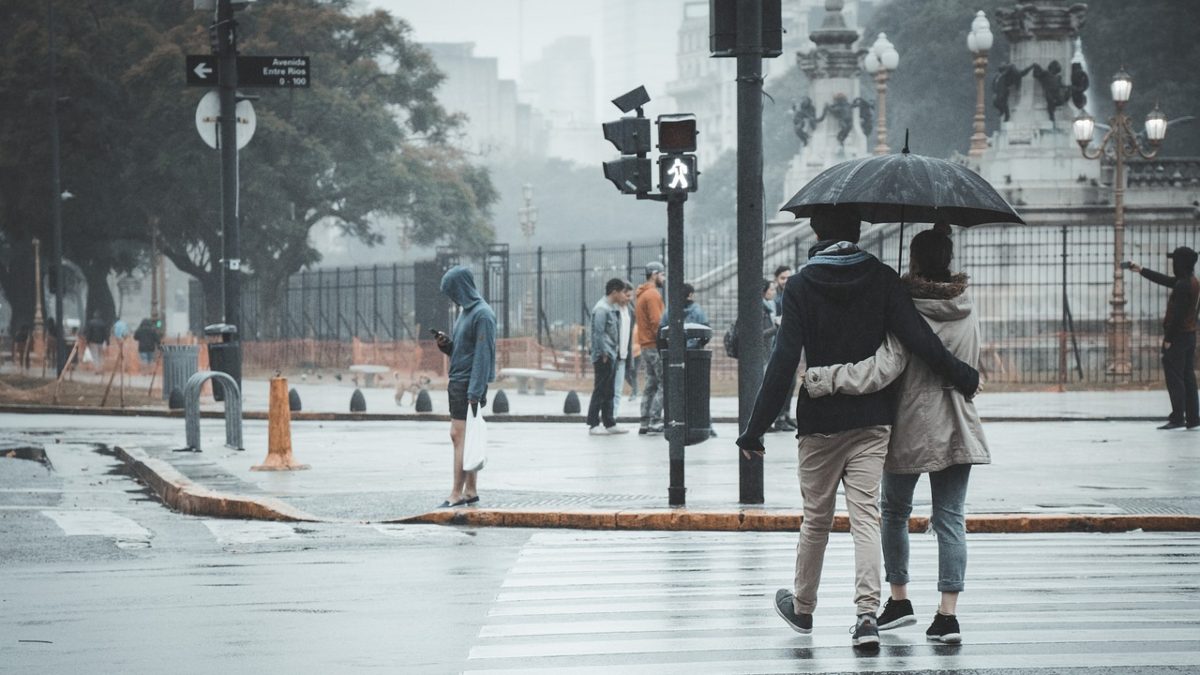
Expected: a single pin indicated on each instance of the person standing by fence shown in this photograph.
(649, 311)
(784, 422)
(472, 352)
(625, 348)
(606, 351)
(1179, 336)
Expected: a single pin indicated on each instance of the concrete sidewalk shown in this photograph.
(377, 471)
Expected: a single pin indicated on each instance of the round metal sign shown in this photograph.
(208, 115)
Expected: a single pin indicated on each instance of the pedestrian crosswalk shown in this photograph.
(675, 602)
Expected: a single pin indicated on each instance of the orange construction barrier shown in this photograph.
(279, 431)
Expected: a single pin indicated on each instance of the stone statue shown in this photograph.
(865, 114)
(804, 119)
(843, 114)
(1004, 81)
(1079, 85)
(1056, 92)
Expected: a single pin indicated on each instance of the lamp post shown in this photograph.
(1118, 144)
(527, 217)
(881, 59)
(979, 41)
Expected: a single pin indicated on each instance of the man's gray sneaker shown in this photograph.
(865, 634)
(801, 623)
(896, 613)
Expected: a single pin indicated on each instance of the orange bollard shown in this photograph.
(279, 431)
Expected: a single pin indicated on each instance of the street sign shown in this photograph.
(208, 117)
(253, 71)
(677, 173)
(273, 71)
(201, 70)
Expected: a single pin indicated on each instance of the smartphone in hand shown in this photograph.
(1126, 264)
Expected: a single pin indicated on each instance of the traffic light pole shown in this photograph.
(230, 235)
(676, 427)
(749, 234)
(60, 339)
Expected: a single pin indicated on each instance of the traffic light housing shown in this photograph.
(631, 175)
(677, 133)
(631, 135)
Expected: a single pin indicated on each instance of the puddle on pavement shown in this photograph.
(31, 453)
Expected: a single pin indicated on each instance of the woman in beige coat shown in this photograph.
(937, 431)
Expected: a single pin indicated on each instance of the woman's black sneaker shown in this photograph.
(896, 613)
(944, 629)
(801, 623)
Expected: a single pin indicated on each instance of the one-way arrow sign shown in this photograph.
(201, 70)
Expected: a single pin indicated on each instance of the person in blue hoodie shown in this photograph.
(472, 352)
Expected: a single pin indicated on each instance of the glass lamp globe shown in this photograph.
(871, 62)
(1156, 125)
(890, 58)
(1083, 129)
(1122, 86)
(973, 42)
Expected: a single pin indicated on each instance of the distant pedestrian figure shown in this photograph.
(625, 349)
(120, 329)
(1179, 336)
(148, 339)
(650, 307)
(785, 421)
(937, 431)
(606, 346)
(96, 334)
(692, 313)
(472, 352)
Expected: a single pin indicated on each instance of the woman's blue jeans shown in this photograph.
(949, 519)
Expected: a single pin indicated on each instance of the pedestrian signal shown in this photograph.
(631, 175)
(677, 133)
(677, 173)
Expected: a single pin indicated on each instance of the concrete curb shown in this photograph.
(442, 417)
(181, 494)
(759, 520)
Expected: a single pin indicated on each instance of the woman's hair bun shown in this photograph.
(942, 227)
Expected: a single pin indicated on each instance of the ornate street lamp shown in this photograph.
(881, 59)
(979, 41)
(527, 215)
(1118, 144)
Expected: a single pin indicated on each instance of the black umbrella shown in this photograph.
(905, 187)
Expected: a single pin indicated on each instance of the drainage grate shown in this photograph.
(1180, 506)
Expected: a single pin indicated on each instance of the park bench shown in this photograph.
(369, 372)
(524, 375)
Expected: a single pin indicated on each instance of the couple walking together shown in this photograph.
(861, 328)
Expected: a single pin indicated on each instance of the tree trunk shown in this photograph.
(272, 306)
(99, 296)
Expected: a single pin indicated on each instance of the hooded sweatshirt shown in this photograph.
(473, 348)
(838, 309)
(936, 427)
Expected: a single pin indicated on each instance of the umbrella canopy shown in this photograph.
(905, 188)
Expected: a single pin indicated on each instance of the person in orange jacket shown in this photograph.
(649, 306)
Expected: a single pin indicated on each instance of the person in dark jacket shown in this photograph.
(1179, 336)
(607, 348)
(838, 309)
(692, 313)
(784, 422)
(472, 352)
(148, 339)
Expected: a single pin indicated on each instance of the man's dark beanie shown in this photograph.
(1184, 256)
(836, 222)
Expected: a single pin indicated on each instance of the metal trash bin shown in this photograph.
(224, 355)
(697, 417)
(179, 363)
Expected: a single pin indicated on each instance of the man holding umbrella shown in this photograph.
(838, 309)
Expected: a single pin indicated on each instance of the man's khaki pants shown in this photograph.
(853, 458)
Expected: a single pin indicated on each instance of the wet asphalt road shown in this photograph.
(98, 577)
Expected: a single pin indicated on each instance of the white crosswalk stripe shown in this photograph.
(676, 602)
(125, 532)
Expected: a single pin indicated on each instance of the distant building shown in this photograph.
(560, 85)
(640, 47)
(497, 124)
(706, 86)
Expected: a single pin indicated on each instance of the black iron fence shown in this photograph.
(1042, 293)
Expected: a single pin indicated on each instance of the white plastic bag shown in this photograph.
(475, 444)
